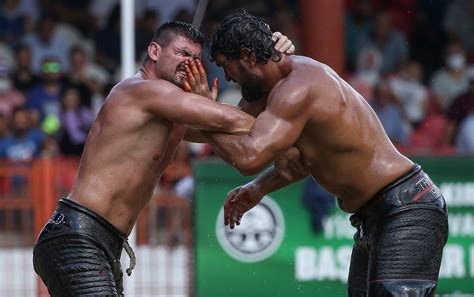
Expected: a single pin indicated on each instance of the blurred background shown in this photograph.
(412, 60)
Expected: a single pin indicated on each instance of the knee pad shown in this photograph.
(403, 288)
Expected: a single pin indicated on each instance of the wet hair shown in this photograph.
(169, 30)
(243, 31)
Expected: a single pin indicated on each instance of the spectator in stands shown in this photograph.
(387, 108)
(44, 98)
(24, 78)
(76, 76)
(89, 77)
(11, 21)
(461, 107)
(101, 10)
(76, 121)
(75, 13)
(166, 10)
(10, 97)
(3, 128)
(391, 43)
(358, 26)
(429, 136)
(107, 42)
(465, 137)
(367, 74)
(7, 57)
(24, 143)
(46, 42)
(411, 92)
(459, 23)
(146, 26)
(451, 80)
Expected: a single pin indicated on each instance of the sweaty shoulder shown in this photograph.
(311, 85)
(145, 89)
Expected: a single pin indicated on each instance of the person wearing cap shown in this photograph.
(44, 98)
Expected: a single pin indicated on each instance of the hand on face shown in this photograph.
(196, 80)
(290, 166)
(238, 202)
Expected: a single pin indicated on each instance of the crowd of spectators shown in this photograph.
(410, 59)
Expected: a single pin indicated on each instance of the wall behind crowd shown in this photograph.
(410, 59)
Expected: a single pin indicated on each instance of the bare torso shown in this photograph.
(126, 152)
(343, 142)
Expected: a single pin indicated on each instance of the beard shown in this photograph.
(171, 74)
(252, 89)
(178, 78)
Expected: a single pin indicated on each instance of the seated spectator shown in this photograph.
(411, 92)
(23, 76)
(87, 76)
(460, 108)
(76, 121)
(144, 31)
(48, 42)
(24, 143)
(11, 21)
(359, 24)
(45, 97)
(107, 42)
(367, 74)
(451, 80)
(385, 105)
(459, 23)
(3, 127)
(429, 137)
(465, 136)
(7, 57)
(391, 43)
(9, 96)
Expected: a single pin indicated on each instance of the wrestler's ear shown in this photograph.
(154, 51)
(248, 56)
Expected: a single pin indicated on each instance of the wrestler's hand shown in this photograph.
(196, 80)
(283, 44)
(238, 202)
(290, 165)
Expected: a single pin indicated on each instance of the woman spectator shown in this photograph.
(75, 122)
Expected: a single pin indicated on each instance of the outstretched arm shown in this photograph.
(275, 130)
(167, 101)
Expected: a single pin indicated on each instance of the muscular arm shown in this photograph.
(167, 101)
(275, 130)
(252, 108)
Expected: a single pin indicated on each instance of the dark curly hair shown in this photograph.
(166, 32)
(242, 30)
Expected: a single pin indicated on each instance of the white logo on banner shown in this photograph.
(257, 237)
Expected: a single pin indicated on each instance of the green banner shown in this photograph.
(275, 252)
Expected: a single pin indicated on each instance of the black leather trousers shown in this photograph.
(400, 237)
(78, 253)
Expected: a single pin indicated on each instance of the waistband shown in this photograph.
(406, 189)
(89, 213)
